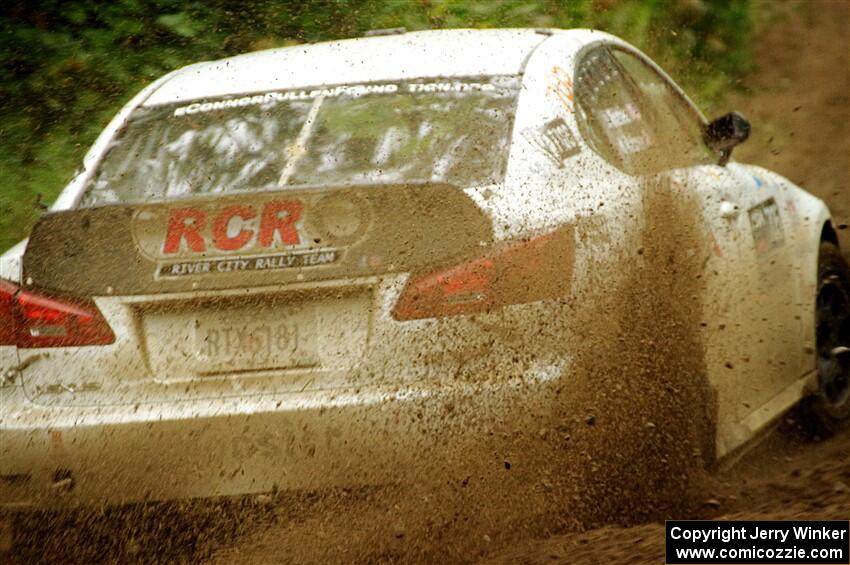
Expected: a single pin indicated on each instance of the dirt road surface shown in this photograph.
(800, 102)
(787, 478)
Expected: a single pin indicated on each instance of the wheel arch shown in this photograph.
(812, 226)
(828, 233)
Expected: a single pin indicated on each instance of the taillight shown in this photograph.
(33, 319)
(514, 272)
(7, 312)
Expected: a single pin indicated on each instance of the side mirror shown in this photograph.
(725, 132)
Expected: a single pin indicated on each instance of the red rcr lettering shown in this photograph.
(219, 229)
(185, 224)
(271, 222)
(277, 217)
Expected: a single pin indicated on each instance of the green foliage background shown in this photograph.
(66, 66)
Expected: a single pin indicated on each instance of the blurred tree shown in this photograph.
(66, 66)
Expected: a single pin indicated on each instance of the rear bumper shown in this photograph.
(53, 457)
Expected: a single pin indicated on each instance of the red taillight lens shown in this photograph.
(7, 313)
(38, 320)
(516, 272)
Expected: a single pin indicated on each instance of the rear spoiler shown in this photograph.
(253, 239)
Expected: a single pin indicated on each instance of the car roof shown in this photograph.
(421, 54)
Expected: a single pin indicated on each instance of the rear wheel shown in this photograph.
(831, 406)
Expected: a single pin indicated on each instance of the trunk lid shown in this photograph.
(236, 295)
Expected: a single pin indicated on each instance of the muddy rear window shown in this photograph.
(455, 131)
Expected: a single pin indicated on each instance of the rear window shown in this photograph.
(633, 117)
(440, 130)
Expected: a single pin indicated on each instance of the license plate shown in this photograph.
(240, 342)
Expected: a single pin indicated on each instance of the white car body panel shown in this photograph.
(62, 427)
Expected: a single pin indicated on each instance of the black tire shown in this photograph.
(830, 407)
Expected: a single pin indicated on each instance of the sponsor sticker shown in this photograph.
(312, 258)
(274, 97)
(260, 233)
(555, 140)
(766, 225)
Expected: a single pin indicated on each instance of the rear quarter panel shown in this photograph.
(806, 215)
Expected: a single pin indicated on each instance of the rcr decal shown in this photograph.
(253, 225)
(766, 225)
(555, 140)
(191, 229)
(256, 233)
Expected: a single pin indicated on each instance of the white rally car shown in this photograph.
(301, 267)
